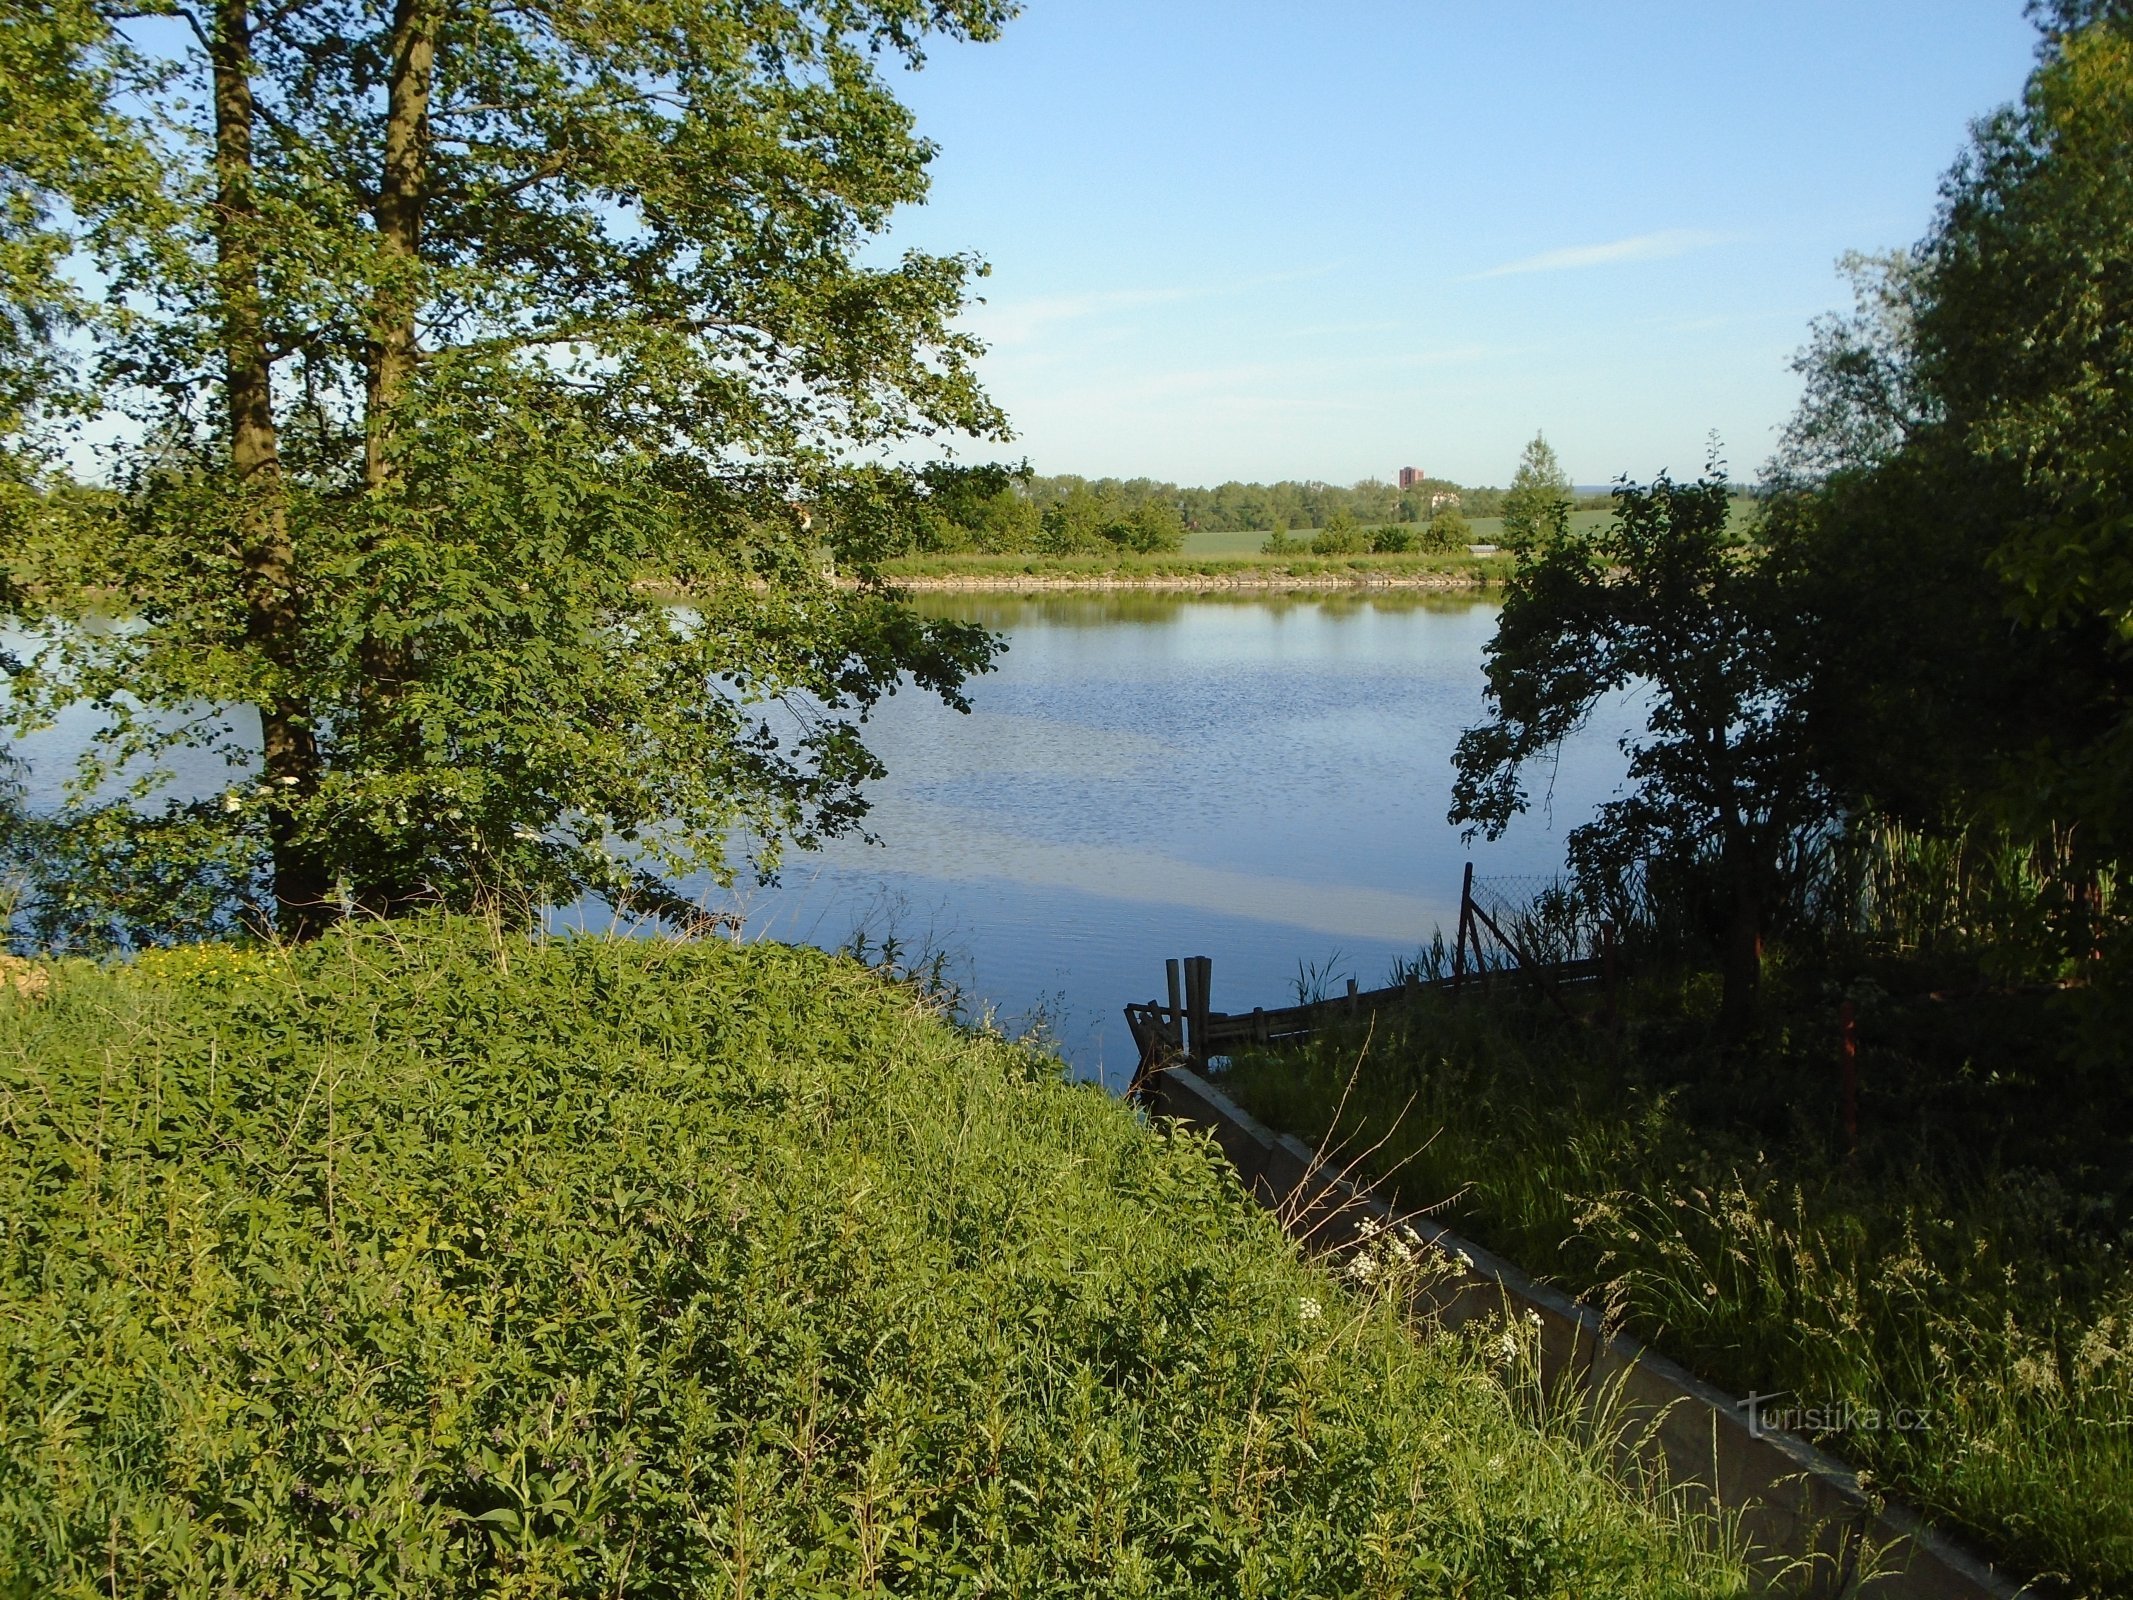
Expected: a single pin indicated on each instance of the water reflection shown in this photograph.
(1006, 611)
(1262, 780)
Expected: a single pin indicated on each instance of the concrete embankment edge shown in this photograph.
(1188, 583)
(1813, 1531)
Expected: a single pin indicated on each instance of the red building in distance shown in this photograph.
(1410, 476)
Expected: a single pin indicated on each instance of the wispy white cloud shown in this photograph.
(1661, 246)
(1025, 320)
(1019, 321)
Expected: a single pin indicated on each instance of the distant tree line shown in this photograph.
(1004, 512)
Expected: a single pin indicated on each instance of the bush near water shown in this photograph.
(422, 1261)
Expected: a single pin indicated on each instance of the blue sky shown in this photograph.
(1328, 240)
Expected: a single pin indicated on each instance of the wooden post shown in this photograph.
(1199, 978)
(1176, 1024)
(1351, 997)
(1466, 899)
(1607, 967)
(1850, 1053)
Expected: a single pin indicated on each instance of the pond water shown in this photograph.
(1262, 782)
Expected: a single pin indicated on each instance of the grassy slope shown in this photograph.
(427, 1264)
(1949, 1272)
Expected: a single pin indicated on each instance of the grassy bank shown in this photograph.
(427, 1263)
(1246, 541)
(1190, 570)
(1949, 1306)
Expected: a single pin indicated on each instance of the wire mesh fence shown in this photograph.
(1541, 913)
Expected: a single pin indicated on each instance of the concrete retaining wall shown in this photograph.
(1813, 1531)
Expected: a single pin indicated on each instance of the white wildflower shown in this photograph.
(1308, 1309)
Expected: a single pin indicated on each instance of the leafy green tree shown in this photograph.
(1664, 598)
(62, 150)
(1391, 540)
(1278, 543)
(1075, 525)
(1156, 527)
(451, 324)
(1339, 537)
(1952, 527)
(1447, 531)
(1536, 508)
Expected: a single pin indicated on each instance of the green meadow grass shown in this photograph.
(426, 1261)
(1246, 542)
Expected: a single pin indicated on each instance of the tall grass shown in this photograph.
(1950, 1307)
(429, 1262)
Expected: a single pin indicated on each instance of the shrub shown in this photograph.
(1447, 531)
(1339, 537)
(426, 1262)
(1392, 540)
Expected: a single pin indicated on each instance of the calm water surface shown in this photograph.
(1261, 782)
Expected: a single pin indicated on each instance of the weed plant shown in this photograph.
(1949, 1306)
(425, 1261)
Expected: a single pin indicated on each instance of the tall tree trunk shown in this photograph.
(399, 222)
(388, 887)
(273, 618)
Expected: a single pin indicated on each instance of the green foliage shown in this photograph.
(61, 151)
(424, 1261)
(1085, 523)
(1967, 1267)
(1339, 537)
(1068, 515)
(1536, 508)
(1952, 525)
(1722, 788)
(1153, 527)
(1261, 507)
(443, 327)
(1447, 531)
